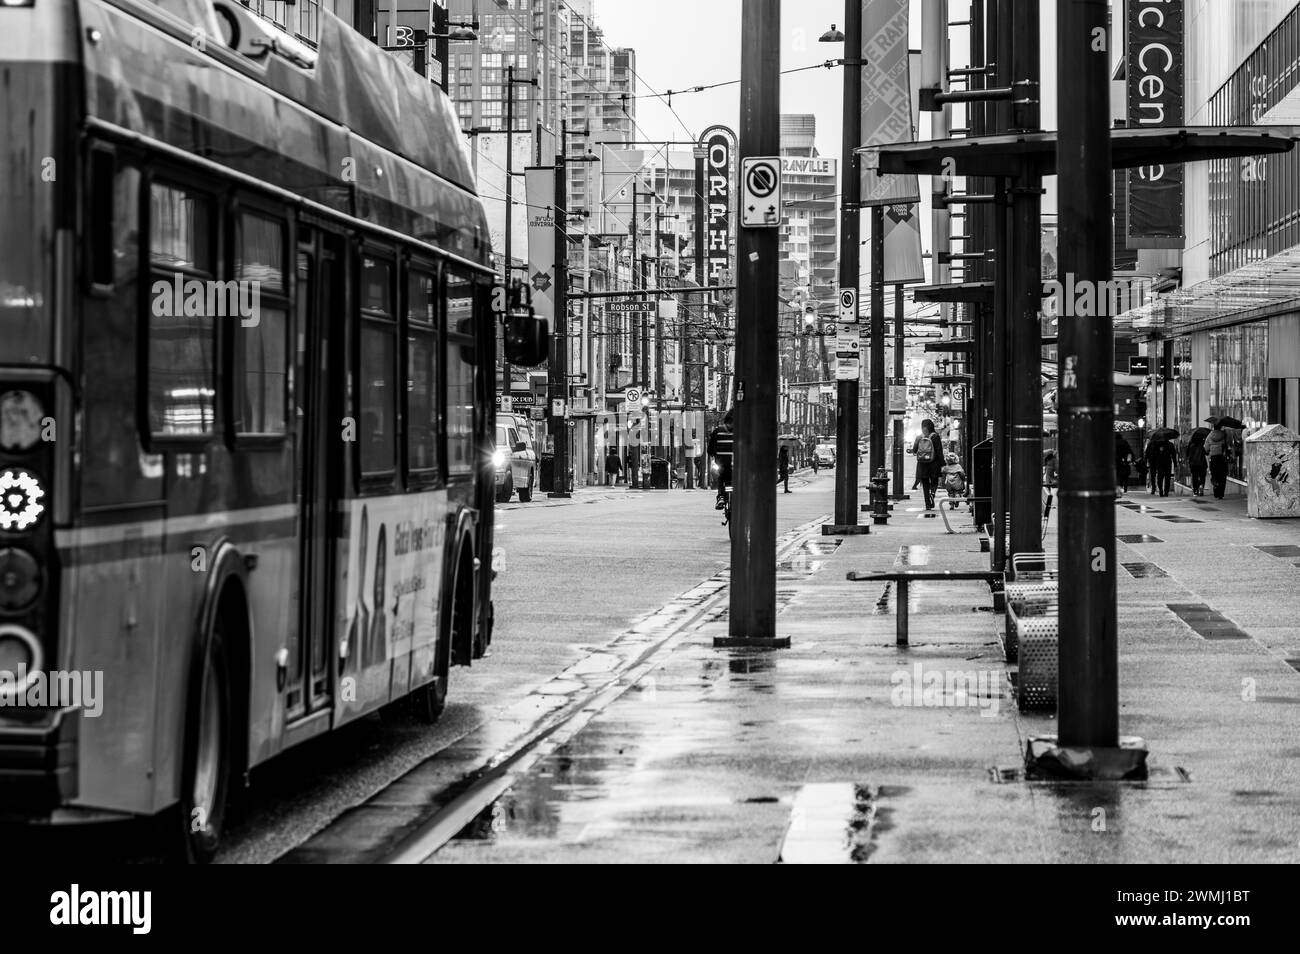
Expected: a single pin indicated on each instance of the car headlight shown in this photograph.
(498, 458)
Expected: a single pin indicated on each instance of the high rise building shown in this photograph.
(532, 36)
(602, 99)
(809, 186)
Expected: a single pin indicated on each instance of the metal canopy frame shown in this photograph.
(1035, 153)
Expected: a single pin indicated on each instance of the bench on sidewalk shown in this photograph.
(912, 565)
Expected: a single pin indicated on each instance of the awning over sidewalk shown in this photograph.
(1257, 290)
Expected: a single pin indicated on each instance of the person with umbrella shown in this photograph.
(1123, 462)
(1216, 451)
(1197, 462)
(1160, 460)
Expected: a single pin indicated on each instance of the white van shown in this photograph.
(514, 457)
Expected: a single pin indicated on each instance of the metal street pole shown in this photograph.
(1024, 270)
(510, 209)
(847, 391)
(633, 321)
(1088, 693)
(898, 378)
(877, 369)
(559, 364)
(997, 38)
(752, 620)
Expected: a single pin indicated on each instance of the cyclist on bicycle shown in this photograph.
(721, 449)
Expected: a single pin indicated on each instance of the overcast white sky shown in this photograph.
(684, 43)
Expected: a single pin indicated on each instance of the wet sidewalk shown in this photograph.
(842, 748)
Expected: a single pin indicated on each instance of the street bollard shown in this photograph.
(880, 497)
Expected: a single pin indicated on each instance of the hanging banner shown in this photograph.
(886, 98)
(903, 245)
(539, 187)
(490, 177)
(718, 143)
(1154, 85)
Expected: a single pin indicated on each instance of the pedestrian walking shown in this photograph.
(1123, 462)
(721, 443)
(929, 462)
(1216, 453)
(613, 466)
(783, 467)
(1197, 461)
(1160, 462)
(954, 477)
(816, 465)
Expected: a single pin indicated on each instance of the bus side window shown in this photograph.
(421, 417)
(377, 422)
(182, 333)
(261, 335)
(460, 374)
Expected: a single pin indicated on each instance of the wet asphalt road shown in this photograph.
(573, 575)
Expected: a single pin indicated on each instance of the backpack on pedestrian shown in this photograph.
(925, 449)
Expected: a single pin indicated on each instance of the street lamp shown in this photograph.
(458, 31)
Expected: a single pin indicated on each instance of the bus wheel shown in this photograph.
(200, 816)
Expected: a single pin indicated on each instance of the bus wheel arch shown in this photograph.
(216, 704)
(458, 616)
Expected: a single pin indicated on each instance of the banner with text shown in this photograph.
(539, 187)
(886, 98)
(1154, 84)
(490, 176)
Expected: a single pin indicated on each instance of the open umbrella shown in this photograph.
(1197, 436)
(1165, 434)
(1226, 422)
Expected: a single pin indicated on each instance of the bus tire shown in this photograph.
(195, 824)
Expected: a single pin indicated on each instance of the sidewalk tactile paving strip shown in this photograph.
(1285, 551)
(1138, 538)
(1206, 622)
(1141, 571)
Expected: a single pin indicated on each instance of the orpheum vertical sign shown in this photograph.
(717, 142)
(1154, 69)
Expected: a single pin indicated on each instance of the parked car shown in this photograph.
(825, 455)
(515, 458)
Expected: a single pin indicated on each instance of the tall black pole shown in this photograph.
(877, 369)
(634, 329)
(997, 37)
(510, 208)
(1024, 394)
(1088, 693)
(752, 620)
(847, 390)
(898, 378)
(559, 376)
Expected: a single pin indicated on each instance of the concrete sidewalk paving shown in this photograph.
(842, 749)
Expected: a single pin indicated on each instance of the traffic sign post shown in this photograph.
(760, 192)
(849, 305)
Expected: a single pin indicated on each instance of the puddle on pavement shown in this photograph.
(831, 823)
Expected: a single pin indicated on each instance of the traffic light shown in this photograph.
(809, 319)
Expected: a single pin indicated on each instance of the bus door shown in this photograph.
(318, 334)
